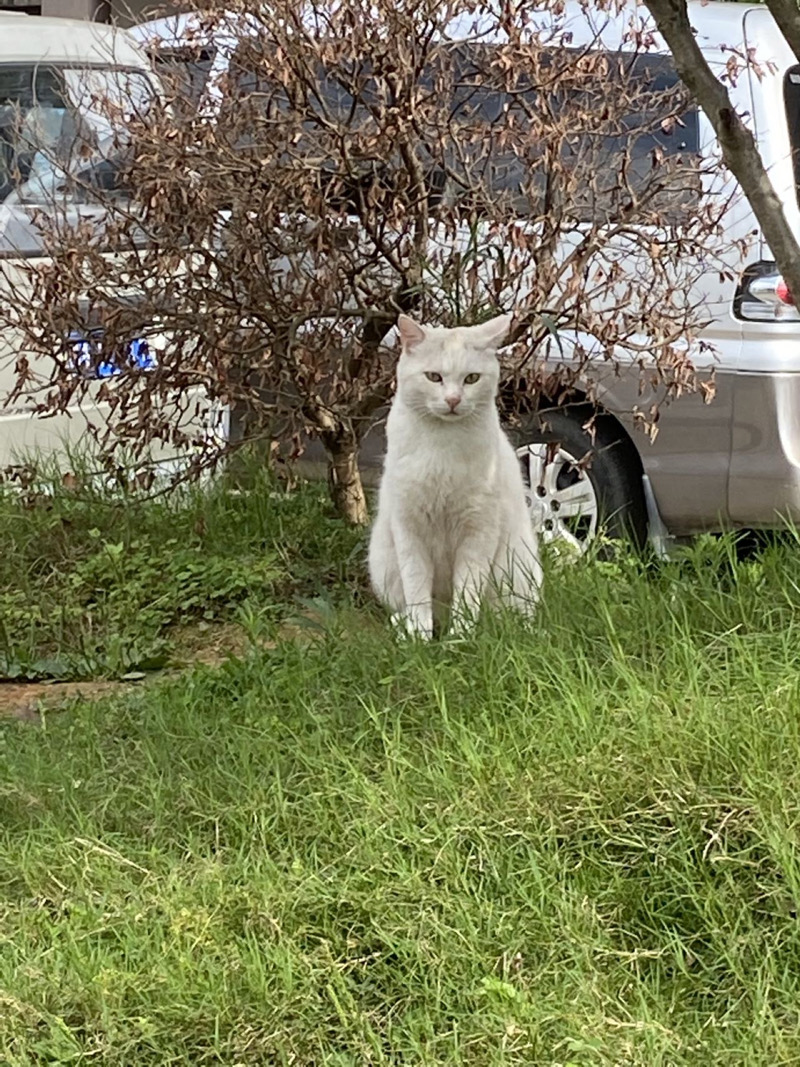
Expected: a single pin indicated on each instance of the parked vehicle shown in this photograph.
(55, 143)
(734, 462)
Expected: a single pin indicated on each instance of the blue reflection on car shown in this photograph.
(89, 359)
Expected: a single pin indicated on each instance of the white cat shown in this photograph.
(452, 528)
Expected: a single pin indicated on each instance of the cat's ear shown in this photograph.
(490, 335)
(411, 333)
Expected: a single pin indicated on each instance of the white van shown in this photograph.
(733, 462)
(53, 71)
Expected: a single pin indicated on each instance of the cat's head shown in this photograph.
(449, 374)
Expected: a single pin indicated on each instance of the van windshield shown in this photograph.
(62, 123)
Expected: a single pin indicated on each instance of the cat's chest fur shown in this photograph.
(446, 480)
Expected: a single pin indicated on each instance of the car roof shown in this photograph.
(187, 27)
(716, 22)
(40, 39)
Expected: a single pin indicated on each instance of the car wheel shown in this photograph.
(581, 482)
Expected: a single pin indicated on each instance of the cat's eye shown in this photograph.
(471, 379)
(432, 376)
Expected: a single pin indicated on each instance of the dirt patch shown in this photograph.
(27, 701)
(210, 646)
(207, 645)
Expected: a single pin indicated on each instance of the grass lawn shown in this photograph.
(568, 843)
(97, 584)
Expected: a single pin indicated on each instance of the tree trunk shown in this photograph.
(787, 15)
(739, 149)
(344, 478)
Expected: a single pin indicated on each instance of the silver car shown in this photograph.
(734, 462)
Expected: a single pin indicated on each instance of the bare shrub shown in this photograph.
(447, 160)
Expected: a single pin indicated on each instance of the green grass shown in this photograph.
(97, 583)
(574, 842)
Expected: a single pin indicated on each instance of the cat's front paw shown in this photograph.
(409, 627)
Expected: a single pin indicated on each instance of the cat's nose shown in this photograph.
(453, 401)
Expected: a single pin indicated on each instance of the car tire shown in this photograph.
(561, 457)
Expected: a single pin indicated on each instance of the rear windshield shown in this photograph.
(63, 123)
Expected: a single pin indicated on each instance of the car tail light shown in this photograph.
(766, 298)
(783, 294)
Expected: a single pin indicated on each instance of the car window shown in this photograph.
(593, 152)
(58, 123)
